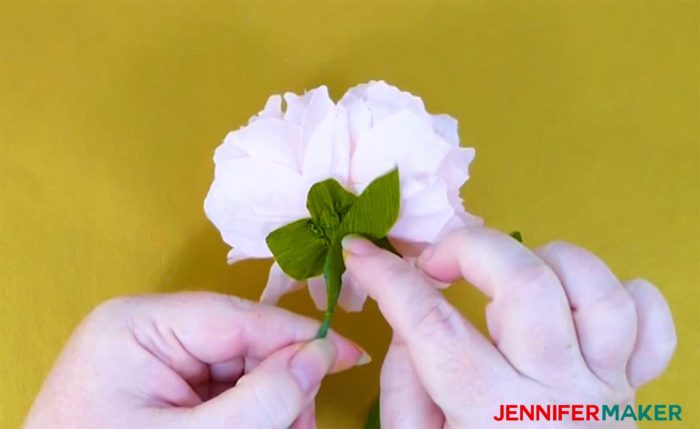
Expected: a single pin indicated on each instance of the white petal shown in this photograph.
(249, 198)
(328, 149)
(424, 215)
(317, 290)
(271, 139)
(359, 118)
(235, 255)
(278, 284)
(229, 149)
(384, 100)
(298, 106)
(455, 167)
(401, 140)
(319, 107)
(446, 127)
(272, 109)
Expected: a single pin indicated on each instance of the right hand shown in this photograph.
(563, 330)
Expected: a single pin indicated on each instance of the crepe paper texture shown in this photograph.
(297, 178)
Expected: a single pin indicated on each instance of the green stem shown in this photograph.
(327, 316)
(332, 273)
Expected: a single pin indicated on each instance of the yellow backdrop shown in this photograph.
(584, 116)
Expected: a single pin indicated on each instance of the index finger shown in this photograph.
(212, 328)
(446, 349)
(527, 299)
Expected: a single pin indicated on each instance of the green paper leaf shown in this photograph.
(517, 235)
(376, 209)
(308, 247)
(373, 417)
(333, 270)
(328, 202)
(299, 248)
(385, 244)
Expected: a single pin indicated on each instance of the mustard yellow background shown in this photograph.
(584, 117)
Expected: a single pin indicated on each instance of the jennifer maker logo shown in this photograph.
(588, 412)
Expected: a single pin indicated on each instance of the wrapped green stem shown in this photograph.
(333, 270)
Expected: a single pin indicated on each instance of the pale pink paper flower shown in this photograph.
(264, 170)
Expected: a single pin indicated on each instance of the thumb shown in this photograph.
(273, 394)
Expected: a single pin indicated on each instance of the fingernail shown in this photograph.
(312, 362)
(364, 359)
(356, 245)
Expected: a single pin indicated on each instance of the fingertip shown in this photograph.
(440, 260)
(312, 362)
(355, 245)
(348, 354)
(656, 337)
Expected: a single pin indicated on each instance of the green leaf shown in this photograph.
(376, 209)
(517, 235)
(333, 270)
(373, 417)
(328, 202)
(299, 248)
(385, 244)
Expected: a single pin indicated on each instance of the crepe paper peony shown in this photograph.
(299, 171)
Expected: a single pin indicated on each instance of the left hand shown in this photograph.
(190, 360)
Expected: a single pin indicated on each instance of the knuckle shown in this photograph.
(274, 407)
(565, 252)
(638, 284)
(535, 278)
(398, 271)
(110, 310)
(436, 316)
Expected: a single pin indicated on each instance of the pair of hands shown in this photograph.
(563, 330)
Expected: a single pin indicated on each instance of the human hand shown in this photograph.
(563, 330)
(190, 360)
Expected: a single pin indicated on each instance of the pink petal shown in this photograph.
(298, 106)
(424, 214)
(235, 255)
(455, 167)
(350, 299)
(317, 290)
(229, 149)
(446, 127)
(402, 140)
(272, 109)
(278, 284)
(271, 139)
(359, 118)
(328, 149)
(319, 107)
(384, 100)
(249, 198)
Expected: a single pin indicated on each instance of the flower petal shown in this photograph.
(384, 100)
(278, 284)
(424, 214)
(327, 152)
(446, 127)
(317, 290)
(270, 139)
(272, 109)
(401, 140)
(249, 198)
(455, 167)
(350, 299)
